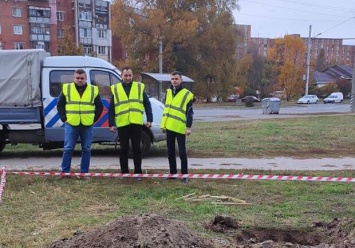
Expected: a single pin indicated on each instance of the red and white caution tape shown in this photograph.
(194, 176)
(2, 182)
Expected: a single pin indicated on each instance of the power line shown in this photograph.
(336, 26)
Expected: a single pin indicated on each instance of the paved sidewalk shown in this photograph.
(112, 162)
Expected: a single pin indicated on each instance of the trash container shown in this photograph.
(271, 105)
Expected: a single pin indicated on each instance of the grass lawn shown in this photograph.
(38, 210)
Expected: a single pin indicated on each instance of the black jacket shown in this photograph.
(146, 104)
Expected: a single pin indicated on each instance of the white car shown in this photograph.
(335, 97)
(307, 99)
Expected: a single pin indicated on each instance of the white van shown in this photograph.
(30, 83)
(335, 97)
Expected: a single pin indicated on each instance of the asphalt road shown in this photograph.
(211, 114)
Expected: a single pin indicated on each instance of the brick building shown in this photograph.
(26, 24)
(335, 51)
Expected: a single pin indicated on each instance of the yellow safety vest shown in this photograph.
(128, 110)
(174, 114)
(80, 109)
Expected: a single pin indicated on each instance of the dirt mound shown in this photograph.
(340, 233)
(145, 231)
(137, 231)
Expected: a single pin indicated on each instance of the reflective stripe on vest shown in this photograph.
(174, 114)
(128, 110)
(80, 109)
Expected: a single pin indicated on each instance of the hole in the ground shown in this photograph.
(294, 237)
(338, 231)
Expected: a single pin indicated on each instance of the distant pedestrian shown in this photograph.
(127, 106)
(177, 121)
(79, 107)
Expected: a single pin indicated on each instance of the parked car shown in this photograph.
(335, 97)
(254, 98)
(307, 99)
(232, 98)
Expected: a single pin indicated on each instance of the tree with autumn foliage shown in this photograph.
(198, 39)
(288, 57)
(67, 45)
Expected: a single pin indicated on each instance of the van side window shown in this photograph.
(57, 78)
(103, 80)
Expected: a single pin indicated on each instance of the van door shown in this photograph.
(103, 79)
(54, 130)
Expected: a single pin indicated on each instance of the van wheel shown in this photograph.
(146, 145)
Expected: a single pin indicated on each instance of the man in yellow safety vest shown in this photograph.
(177, 121)
(79, 107)
(127, 106)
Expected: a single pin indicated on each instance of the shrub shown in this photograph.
(249, 101)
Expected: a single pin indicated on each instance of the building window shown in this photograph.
(39, 28)
(85, 33)
(85, 16)
(101, 50)
(60, 15)
(18, 29)
(0, 28)
(39, 12)
(102, 34)
(19, 45)
(60, 33)
(87, 49)
(16, 12)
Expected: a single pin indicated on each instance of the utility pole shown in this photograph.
(308, 59)
(160, 65)
(353, 90)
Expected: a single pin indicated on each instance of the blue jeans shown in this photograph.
(71, 135)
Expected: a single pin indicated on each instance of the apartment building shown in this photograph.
(28, 24)
(335, 51)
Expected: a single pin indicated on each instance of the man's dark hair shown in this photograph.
(177, 73)
(126, 68)
(80, 71)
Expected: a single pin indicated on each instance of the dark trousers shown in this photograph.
(131, 132)
(170, 143)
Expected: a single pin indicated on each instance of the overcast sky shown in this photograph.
(275, 18)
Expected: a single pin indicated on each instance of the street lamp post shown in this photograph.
(160, 66)
(308, 59)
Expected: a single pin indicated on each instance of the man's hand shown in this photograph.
(148, 124)
(188, 131)
(113, 129)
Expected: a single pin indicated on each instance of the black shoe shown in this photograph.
(185, 180)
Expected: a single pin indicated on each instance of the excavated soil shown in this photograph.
(155, 231)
